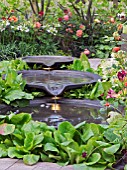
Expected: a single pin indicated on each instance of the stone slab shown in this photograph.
(47, 166)
(69, 167)
(5, 163)
(19, 165)
(94, 63)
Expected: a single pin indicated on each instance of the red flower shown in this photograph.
(66, 11)
(12, 11)
(116, 49)
(60, 19)
(107, 104)
(13, 19)
(3, 18)
(41, 13)
(121, 75)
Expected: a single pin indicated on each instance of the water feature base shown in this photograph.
(55, 111)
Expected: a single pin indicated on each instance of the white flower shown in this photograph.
(27, 30)
(7, 23)
(19, 27)
(2, 29)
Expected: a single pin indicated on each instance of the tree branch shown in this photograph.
(32, 7)
(36, 1)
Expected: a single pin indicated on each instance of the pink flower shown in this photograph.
(41, 13)
(86, 51)
(79, 33)
(69, 30)
(111, 94)
(121, 75)
(65, 17)
(82, 26)
(37, 25)
(70, 14)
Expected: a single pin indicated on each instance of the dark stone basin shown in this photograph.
(56, 81)
(48, 61)
(54, 112)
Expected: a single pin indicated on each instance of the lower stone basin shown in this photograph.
(55, 111)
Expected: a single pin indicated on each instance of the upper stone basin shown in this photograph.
(48, 61)
(56, 81)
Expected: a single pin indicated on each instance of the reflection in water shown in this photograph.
(54, 113)
(47, 68)
(55, 107)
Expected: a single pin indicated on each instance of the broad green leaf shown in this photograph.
(45, 158)
(64, 156)
(66, 127)
(3, 116)
(6, 129)
(80, 125)
(66, 143)
(50, 147)
(29, 140)
(32, 126)
(88, 133)
(109, 135)
(95, 128)
(73, 147)
(38, 139)
(54, 157)
(30, 159)
(17, 94)
(21, 118)
(112, 149)
(59, 138)
(13, 152)
(125, 168)
(108, 157)
(101, 143)
(94, 158)
(3, 151)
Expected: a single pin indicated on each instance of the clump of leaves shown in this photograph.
(81, 64)
(17, 64)
(88, 143)
(12, 87)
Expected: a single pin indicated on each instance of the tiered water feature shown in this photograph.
(55, 109)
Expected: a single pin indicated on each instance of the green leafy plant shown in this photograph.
(91, 144)
(12, 87)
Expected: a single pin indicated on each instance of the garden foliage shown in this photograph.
(91, 144)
